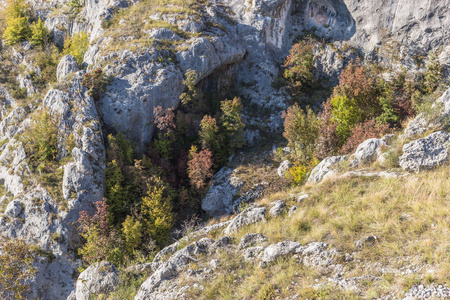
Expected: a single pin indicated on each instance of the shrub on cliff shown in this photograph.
(16, 268)
(300, 65)
(76, 46)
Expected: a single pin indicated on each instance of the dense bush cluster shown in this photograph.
(147, 195)
(19, 28)
(363, 105)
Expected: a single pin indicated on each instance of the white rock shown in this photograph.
(326, 169)
(13, 209)
(247, 217)
(276, 208)
(67, 65)
(272, 252)
(425, 153)
(368, 152)
(284, 166)
(99, 278)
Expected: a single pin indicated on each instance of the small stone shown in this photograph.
(13, 209)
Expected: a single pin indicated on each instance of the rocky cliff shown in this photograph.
(241, 44)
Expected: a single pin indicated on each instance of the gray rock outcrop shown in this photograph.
(99, 279)
(368, 151)
(425, 153)
(325, 169)
(67, 65)
(220, 198)
(247, 217)
(281, 249)
(284, 166)
(251, 239)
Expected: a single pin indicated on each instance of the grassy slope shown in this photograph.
(410, 216)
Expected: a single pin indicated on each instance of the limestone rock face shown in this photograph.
(67, 65)
(325, 169)
(139, 85)
(37, 216)
(100, 278)
(426, 153)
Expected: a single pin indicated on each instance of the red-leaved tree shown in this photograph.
(199, 167)
(362, 132)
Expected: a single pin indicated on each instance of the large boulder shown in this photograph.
(426, 153)
(284, 166)
(368, 151)
(13, 209)
(247, 217)
(326, 169)
(99, 279)
(219, 198)
(281, 249)
(67, 65)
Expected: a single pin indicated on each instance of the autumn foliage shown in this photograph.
(199, 167)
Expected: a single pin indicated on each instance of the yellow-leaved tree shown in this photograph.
(17, 26)
(156, 210)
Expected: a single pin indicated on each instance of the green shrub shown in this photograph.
(231, 121)
(16, 268)
(40, 140)
(191, 92)
(17, 30)
(39, 34)
(47, 60)
(132, 233)
(433, 74)
(76, 46)
(95, 82)
(346, 114)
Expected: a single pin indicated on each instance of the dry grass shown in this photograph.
(129, 28)
(410, 216)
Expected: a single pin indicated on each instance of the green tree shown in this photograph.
(132, 233)
(231, 121)
(76, 46)
(39, 34)
(301, 130)
(346, 114)
(17, 26)
(210, 135)
(116, 193)
(17, 30)
(433, 74)
(191, 92)
(156, 210)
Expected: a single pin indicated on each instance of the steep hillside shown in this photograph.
(269, 149)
